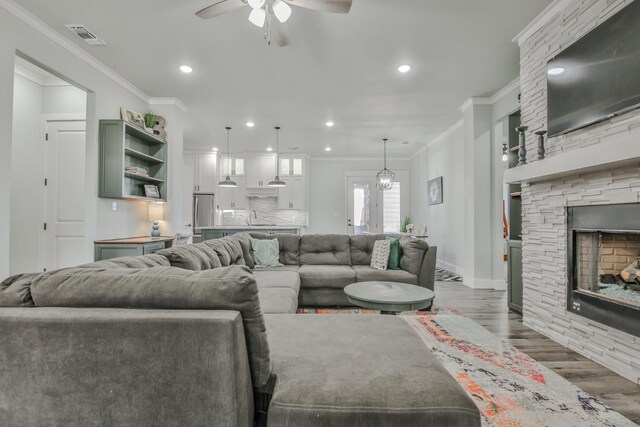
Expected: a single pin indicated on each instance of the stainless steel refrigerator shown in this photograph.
(204, 212)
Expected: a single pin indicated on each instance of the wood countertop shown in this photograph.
(134, 240)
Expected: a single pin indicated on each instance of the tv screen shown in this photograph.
(598, 76)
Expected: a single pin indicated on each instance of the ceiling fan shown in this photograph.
(262, 12)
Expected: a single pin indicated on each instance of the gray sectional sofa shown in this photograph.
(195, 335)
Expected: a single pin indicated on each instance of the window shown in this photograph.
(391, 209)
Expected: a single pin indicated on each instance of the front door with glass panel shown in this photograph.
(362, 206)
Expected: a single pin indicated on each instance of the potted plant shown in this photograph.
(404, 226)
(150, 120)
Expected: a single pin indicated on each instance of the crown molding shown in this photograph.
(473, 101)
(28, 18)
(505, 90)
(541, 20)
(355, 159)
(168, 101)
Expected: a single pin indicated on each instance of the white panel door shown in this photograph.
(188, 187)
(65, 195)
(362, 206)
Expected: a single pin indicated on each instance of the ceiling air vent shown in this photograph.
(85, 34)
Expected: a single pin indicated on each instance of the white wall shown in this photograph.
(26, 206)
(327, 190)
(445, 222)
(106, 96)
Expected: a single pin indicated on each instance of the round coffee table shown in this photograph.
(389, 297)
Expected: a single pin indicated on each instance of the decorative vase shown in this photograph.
(155, 229)
(522, 149)
(541, 151)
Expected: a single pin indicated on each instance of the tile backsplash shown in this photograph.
(268, 213)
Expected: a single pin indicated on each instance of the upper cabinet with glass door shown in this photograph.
(291, 166)
(232, 166)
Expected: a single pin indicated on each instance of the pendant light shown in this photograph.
(505, 152)
(277, 182)
(227, 182)
(385, 176)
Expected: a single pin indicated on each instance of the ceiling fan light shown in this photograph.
(281, 10)
(257, 17)
(256, 4)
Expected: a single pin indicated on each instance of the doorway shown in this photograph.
(362, 206)
(48, 176)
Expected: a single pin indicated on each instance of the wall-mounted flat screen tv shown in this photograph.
(598, 76)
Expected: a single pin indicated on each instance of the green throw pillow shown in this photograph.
(266, 253)
(395, 254)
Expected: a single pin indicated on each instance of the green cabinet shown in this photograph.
(514, 290)
(123, 146)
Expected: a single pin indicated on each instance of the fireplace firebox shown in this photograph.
(604, 264)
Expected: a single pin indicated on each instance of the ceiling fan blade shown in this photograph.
(220, 7)
(335, 6)
(280, 33)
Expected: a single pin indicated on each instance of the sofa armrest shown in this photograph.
(77, 366)
(427, 275)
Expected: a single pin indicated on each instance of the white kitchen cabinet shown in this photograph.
(207, 178)
(260, 170)
(294, 195)
(232, 166)
(234, 198)
(291, 166)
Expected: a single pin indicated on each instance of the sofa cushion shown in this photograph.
(358, 378)
(278, 300)
(232, 288)
(266, 253)
(277, 279)
(293, 268)
(194, 257)
(380, 254)
(367, 274)
(289, 245)
(142, 261)
(361, 247)
(15, 291)
(233, 248)
(395, 254)
(326, 276)
(245, 243)
(413, 251)
(325, 249)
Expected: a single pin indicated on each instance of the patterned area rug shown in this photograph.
(509, 387)
(447, 276)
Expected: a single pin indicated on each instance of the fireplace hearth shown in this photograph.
(604, 264)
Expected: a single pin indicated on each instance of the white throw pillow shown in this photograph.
(380, 254)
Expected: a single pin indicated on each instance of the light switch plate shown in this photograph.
(114, 206)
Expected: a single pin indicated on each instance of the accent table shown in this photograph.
(389, 297)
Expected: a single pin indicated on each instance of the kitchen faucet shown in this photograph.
(255, 215)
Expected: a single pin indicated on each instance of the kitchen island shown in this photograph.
(218, 231)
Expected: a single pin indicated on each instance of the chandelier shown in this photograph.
(385, 176)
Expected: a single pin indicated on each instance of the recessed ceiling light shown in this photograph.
(555, 71)
(250, 124)
(214, 148)
(404, 68)
(186, 69)
(329, 124)
(327, 149)
(269, 148)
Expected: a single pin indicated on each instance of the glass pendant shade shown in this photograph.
(257, 17)
(281, 10)
(227, 182)
(505, 153)
(277, 182)
(385, 177)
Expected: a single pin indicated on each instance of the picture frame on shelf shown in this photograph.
(151, 191)
(132, 117)
(434, 191)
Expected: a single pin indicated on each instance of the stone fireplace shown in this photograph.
(594, 167)
(603, 264)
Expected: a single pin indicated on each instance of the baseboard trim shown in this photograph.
(475, 283)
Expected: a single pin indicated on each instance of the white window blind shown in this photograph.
(391, 209)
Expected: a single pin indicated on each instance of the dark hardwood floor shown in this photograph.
(489, 309)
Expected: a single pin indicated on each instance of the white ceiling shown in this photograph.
(339, 67)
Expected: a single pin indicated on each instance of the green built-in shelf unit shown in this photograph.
(123, 145)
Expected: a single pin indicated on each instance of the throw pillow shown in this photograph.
(394, 255)
(380, 254)
(266, 253)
